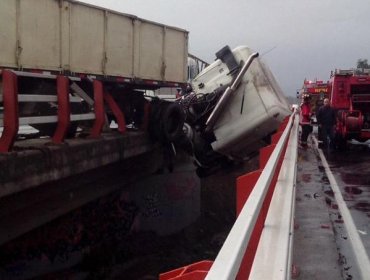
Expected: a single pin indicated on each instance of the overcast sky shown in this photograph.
(297, 39)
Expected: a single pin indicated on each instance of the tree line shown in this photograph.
(363, 63)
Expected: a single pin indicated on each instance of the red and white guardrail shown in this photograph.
(259, 245)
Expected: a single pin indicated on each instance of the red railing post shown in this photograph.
(11, 116)
(64, 110)
(98, 109)
(116, 111)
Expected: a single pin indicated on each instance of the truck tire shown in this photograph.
(172, 122)
(166, 121)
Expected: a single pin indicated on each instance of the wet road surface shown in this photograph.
(351, 169)
(321, 239)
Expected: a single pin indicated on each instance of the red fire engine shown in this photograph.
(317, 90)
(349, 92)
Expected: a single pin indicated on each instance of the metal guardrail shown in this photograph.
(227, 263)
(10, 120)
(273, 258)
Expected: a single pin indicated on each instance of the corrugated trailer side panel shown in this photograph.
(64, 30)
(150, 51)
(86, 39)
(120, 45)
(174, 44)
(8, 33)
(39, 34)
(73, 36)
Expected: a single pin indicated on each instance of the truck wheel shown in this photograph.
(172, 122)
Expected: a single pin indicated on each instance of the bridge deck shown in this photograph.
(315, 251)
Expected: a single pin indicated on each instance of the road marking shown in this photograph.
(358, 248)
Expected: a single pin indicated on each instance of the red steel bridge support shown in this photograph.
(12, 120)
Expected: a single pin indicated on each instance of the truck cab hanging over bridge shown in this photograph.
(233, 108)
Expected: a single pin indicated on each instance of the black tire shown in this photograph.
(172, 122)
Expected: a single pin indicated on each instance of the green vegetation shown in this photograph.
(362, 63)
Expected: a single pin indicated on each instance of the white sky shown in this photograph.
(297, 39)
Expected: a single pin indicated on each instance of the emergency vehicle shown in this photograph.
(349, 92)
(317, 90)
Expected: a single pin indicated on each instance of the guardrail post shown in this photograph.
(116, 111)
(11, 116)
(64, 110)
(98, 109)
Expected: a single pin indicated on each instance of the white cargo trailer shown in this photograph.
(70, 36)
(82, 54)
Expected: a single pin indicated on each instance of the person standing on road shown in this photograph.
(305, 120)
(326, 119)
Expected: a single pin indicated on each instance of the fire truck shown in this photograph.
(317, 90)
(349, 92)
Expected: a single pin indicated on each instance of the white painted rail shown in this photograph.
(274, 252)
(229, 259)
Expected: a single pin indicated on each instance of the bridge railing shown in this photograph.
(10, 119)
(259, 245)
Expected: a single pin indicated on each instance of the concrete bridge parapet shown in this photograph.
(35, 161)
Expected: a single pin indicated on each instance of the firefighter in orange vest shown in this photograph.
(305, 120)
